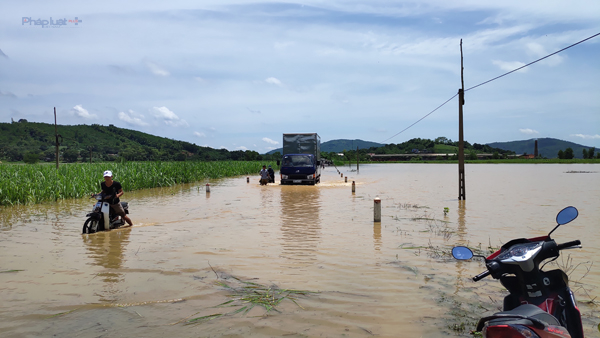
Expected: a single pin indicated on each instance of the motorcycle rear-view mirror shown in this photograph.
(565, 216)
(462, 253)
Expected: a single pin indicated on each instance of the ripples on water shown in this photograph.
(141, 280)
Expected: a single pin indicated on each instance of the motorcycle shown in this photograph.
(102, 216)
(540, 303)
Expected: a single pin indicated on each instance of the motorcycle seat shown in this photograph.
(523, 314)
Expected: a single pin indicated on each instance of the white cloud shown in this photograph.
(268, 140)
(587, 137)
(78, 110)
(199, 134)
(168, 117)
(241, 148)
(157, 70)
(508, 66)
(528, 131)
(274, 81)
(133, 118)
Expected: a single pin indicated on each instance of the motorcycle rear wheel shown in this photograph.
(90, 226)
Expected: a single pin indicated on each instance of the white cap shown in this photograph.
(108, 173)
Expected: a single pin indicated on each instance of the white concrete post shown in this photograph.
(377, 210)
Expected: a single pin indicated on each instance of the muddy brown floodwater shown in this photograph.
(388, 279)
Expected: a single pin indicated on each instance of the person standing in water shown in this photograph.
(271, 174)
(264, 176)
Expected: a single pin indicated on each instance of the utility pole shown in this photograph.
(57, 136)
(357, 159)
(462, 195)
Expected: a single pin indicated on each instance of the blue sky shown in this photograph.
(239, 74)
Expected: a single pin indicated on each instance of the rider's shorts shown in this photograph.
(118, 209)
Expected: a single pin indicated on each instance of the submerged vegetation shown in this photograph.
(28, 184)
(246, 295)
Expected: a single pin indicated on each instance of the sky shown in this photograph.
(239, 74)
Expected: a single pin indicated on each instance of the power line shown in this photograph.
(419, 120)
(488, 81)
(529, 64)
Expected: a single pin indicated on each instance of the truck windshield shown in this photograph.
(297, 161)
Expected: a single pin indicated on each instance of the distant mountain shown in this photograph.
(340, 145)
(547, 147)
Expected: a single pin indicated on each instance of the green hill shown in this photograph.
(107, 143)
(337, 146)
(547, 147)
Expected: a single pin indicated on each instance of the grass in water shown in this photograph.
(247, 295)
(61, 313)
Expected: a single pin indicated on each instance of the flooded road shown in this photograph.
(387, 279)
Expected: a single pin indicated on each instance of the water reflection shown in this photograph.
(461, 266)
(107, 249)
(462, 226)
(11, 216)
(377, 236)
(300, 223)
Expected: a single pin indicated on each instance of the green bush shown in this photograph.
(31, 158)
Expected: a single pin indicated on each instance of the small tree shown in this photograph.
(31, 158)
(180, 157)
(591, 152)
(569, 153)
(70, 155)
(561, 154)
(585, 153)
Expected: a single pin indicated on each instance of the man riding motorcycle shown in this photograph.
(114, 189)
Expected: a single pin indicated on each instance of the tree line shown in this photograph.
(568, 154)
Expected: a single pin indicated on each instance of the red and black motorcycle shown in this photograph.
(540, 303)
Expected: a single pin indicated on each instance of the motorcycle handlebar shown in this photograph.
(481, 275)
(568, 244)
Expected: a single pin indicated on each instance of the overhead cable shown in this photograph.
(488, 81)
(529, 64)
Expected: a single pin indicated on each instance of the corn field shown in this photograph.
(30, 184)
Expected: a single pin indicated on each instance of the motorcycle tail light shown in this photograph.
(509, 331)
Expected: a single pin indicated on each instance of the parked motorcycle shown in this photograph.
(540, 303)
(102, 217)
